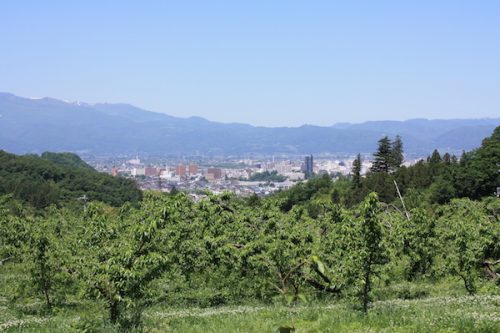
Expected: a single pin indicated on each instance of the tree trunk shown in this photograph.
(47, 296)
(366, 289)
(113, 312)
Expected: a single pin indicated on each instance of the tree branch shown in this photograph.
(487, 265)
(4, 260)
(322, 287)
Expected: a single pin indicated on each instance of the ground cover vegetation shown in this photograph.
(402, 249)
(59, 179)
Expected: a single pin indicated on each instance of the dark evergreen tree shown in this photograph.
(397, 153)
(434, 164)
(447, 158)
(356, 172)
(383, 156)
(464, 158)
(435, 158)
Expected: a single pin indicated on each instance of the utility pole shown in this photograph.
(84, 198)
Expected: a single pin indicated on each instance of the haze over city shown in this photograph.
(280, 63)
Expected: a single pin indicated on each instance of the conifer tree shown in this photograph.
(447, 158)
(356, 171)
(435, 158)
(397, 153)
(383, 156)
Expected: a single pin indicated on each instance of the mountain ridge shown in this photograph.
(37, 125)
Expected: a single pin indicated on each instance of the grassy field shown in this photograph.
(435, 314)
(443, 308)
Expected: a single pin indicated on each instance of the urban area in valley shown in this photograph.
(243, 176)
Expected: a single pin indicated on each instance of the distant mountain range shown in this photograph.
(47, 124)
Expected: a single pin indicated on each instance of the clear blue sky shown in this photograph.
(260, 62)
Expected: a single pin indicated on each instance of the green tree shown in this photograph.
(397, 153)
(465, 234)
(46, 259)
(372, 253)
(418, 243)
(286, 249)
(338, 246)
(478, 175)
(125, 254)
(383, 156)
(356, 171)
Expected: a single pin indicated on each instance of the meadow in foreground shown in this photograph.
(446, 308)
(437, 314)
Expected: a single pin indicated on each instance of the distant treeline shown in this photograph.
(54, 178)
(267, 176)
(435, 180)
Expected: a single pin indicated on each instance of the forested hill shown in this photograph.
(67, 159)
(54, 178)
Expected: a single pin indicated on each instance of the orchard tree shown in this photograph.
(286, 248)
(419, 243)
(372, 253)
(124, 253)
(14, 232)
(466, 234)
(337, 250)
(47, 258)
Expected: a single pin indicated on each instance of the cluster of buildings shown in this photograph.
(225, 174)
(134, 168)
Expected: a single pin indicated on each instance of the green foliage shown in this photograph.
(125, 254)
(397, 157)
(478, 174)
(314, 244)
(466, 235)
(267, 176)
(439, 179)
(383, 157)
(303, 192)
(66, 159)
(356, 172)
(419, 243)
(371, 252)
(56, 178)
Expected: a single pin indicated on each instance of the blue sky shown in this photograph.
(274, 63)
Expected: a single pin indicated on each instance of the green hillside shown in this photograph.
(56, 178)
(66, 159)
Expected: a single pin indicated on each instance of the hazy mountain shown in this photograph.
(37, 125)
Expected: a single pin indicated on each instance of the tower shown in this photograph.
(308, 167)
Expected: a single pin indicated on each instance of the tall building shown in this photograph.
(193, 169)
(151, 171)
(213, 174)
(308, 166)
(180, 170)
